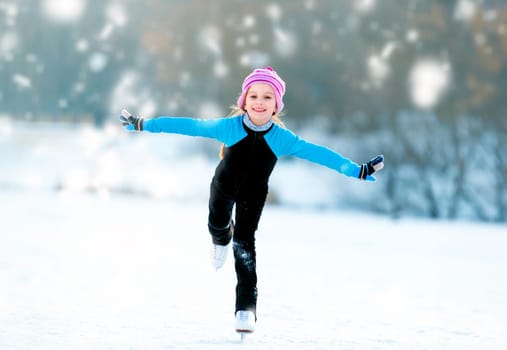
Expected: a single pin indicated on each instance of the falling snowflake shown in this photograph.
(429, 79)
(63, 10)
(22, 81)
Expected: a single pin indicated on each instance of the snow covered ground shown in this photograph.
(131, 272)
(104, 245)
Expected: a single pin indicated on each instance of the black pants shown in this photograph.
(248, 212)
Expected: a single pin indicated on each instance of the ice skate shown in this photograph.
(245, 321)
(218, 255)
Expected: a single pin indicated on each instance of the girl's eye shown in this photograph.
(268, 97)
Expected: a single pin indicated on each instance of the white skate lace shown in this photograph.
(216, 255)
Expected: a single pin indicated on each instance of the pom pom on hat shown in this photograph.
(264, 76)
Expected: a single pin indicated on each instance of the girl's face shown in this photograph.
(260, 103)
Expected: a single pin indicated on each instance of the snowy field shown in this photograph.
(104, 245)
(131, 272)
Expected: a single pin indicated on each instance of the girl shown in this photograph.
(254, 138)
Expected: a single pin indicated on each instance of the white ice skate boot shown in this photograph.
(219, 255)
(245, 321)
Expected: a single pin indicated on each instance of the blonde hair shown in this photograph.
(235, 111)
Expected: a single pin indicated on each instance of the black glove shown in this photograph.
(372, 166)
(131, 122)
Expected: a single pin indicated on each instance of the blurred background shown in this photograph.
(423, 82)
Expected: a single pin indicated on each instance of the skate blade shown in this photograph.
(244, 331)
(243, 335)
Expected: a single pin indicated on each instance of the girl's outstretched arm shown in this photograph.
(175, 125)
(226, 130)
(285, 142)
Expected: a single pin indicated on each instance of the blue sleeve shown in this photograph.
(226, 130)
(284, 142)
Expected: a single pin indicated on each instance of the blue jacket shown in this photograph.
(281, 141)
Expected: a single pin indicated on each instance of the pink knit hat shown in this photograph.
(265, 76)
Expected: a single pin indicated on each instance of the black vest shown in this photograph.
(246, 167)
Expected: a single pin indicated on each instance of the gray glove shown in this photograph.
(372, 166)
(131, 122)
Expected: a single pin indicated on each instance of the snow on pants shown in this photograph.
(247, 216)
